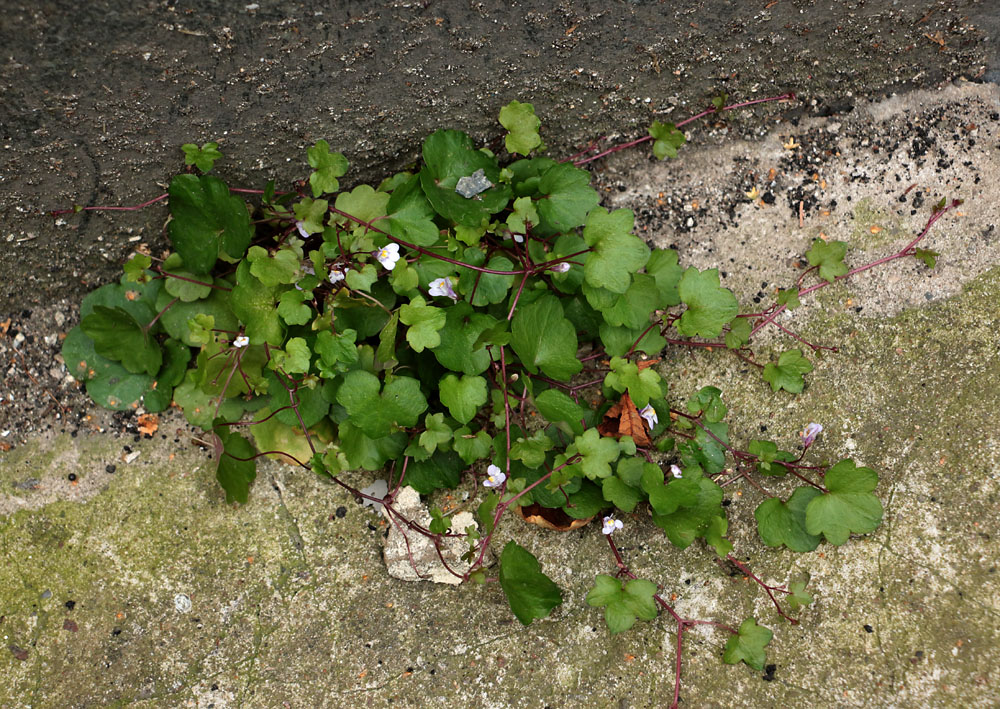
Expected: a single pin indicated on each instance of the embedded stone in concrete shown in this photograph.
(411, 556)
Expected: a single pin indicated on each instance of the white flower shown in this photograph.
(649, 413)
(676, 471)
(388, 255)
(337, 274)
(442, 286)
(610, 525)
(302, 229)
(241, 341)
(810, 433)
(494, 477)
(519, 238)
(560, 267)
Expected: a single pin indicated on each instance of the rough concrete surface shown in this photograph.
(290, 603)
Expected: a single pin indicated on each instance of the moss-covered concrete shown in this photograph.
(291, 604)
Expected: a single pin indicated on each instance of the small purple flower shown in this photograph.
(388, 255)
(676, 471)
(810, 433)
(302, 229)
(649, 413)
(442, 286)
(610, 525)
(337, 275)
(494, 477)
(560, 267)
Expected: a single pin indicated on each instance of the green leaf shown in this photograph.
(789, 297)
(273, 270)
(769, 458)
(400, 402)
(787, 373)
(715, 536)
(256, 306)
(555, 406)
(437, 434)
(522, 127)
(667, 139)
(567, 198)
(623, 605)
(206, 220)
(327, 167)
(523, 216)
(530, 593)
(798, 596)
(829, 256)
(188, 287)
(642, 385)
(662, 266)
(424, 323)
(235, 475)
(708, 402)
(617, 253)
(458, 350)
(312, 406)
(471, 446)
(720, 101)
(158, 397)
(709, 305)
(204, 157)
(544, 339)
(486, 511)
(691, 521)
(135, 268)
(597, 452)
(485, 288)
(439, 523)
(463, 397)
(117, 336)
(369, 453)
(364, 203)
(311, 213)
(336, 352)
(739, 333)
(216, 306)
(668, 498)
(785, 522)
(292, 307)
(631, 308)
(849, 507)
(531, 451)
(748, 645)
(362, 278)
(199, 406)
(386, 351)
(440, 471)
(293, 359)
(621, 494)
(928, 256)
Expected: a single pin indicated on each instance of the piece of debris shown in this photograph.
(377, 489)
(411, 556)
(470, 186)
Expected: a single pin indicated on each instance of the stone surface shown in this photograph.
(291, 604)
(413, 557)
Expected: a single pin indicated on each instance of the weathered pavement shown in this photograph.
(290, 604)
